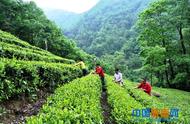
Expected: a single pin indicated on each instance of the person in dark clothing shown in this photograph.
(100, 72)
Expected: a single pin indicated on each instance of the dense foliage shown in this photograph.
(125, 99)
(157, 46)
(160, 37)
(74, 103)
(28, 22)
(78, 102)
(26, 77)
(24, 69)
(122, 103)
(107, 31)
(163, 33)
(106, 27)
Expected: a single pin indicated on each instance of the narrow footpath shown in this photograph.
(106, 109)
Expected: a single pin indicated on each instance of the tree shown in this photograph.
(161, 28)
(28, 22)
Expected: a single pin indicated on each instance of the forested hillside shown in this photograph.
(65, 20)
(106, 27)
(140, 38)
(29, 23)
(107, 31)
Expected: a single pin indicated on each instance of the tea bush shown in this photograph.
(75, 103)
(121, 102)
(18, 77)
(12, 47)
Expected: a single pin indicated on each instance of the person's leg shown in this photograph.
(84, 71)
(155, 94)
(103, 83)
(121, 83)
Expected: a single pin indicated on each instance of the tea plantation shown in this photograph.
(78, 102)
(24, 69)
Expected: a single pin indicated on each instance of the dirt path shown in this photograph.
(16, 110)
(106, 109)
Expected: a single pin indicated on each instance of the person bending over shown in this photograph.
(145, 86)
(100, 72)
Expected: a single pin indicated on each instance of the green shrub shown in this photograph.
(11, 39)
(75, 103)
(12, 47)
(18, 77)
(121, 102)
(140, 96)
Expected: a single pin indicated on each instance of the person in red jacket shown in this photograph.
(145, 86)
(100, 72)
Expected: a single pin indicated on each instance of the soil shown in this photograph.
(16, 110)
(106, 109)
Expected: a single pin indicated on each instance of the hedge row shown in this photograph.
(12, 47)
(140, 96)
(12, 51)
(11, 39)
(75, 103)
(157, 103)
(122, 103)
(18, 77)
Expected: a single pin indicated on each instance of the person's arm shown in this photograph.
(77, 63)
(139, 86)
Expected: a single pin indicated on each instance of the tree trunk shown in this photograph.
(165, 62)
(184, 51)
(46, 45)
(167, 75)
(182, 40)
(171, 69)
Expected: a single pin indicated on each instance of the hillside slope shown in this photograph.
(27, 75)
(12, 47)
(25, 68)
(108, 32)
(29, 23)
(76, 101)
(106, 27)
(65, 20)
